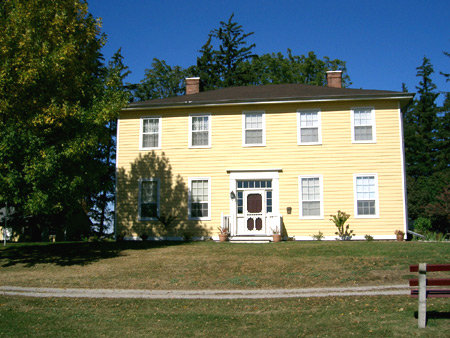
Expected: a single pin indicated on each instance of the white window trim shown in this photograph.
(374, 129)
(263, 144)
(141, 129)
(377, 203)
(157, 202)
(319, 131)
(209, 130)
(300, 214)
(190, 198)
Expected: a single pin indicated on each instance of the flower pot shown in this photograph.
(223, 237)
(399, 237)
(276, 238)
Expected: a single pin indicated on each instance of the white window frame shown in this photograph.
(263, 120)
(208, 218)
(157, 202)
(209, 130)
(141, 132)
(301, 216)
(373, 125)
(299, 127)
(377, 203)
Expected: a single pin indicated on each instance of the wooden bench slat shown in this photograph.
(430, 267)
(431, 282)
(433, 293)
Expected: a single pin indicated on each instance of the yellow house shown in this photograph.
(260, 158)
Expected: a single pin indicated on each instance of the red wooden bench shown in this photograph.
(423, 292)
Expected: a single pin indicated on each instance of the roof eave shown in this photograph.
(403, 97)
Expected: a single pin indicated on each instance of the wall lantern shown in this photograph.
(232, 195)
(289, 210)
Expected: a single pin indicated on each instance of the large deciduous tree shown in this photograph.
(53, 108)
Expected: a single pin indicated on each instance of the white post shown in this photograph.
(422, 295)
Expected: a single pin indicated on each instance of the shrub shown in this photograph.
(318, 237)
(422, 225)
(368, 238)
(344, 233)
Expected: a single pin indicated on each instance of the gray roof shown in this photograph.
(268, 93)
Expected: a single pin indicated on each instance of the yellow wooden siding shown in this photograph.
(336, 159)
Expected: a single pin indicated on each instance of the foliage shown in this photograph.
(427, 150)
(344, 231)
(368, 238)
(275, 231)
(223, 230)
(53, 106)
(422, 225)
(275, 68)
(318, 237)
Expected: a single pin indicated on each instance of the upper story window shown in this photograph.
(309, 127)
(311, 197)
(150, 137)
(363, 125)
(200, 131)
(253, 129)
(148, 199)
(366, 195)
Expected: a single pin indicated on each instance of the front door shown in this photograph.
(254, 212)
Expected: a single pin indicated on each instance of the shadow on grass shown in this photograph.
(434, 315)
(66, 254)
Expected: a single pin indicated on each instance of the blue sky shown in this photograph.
(382, 41)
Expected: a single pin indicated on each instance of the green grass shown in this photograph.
(310, 317)
(208, 265)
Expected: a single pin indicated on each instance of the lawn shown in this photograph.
(209, 265)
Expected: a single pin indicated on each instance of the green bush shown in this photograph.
(344, 233)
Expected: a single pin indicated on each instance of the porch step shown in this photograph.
(250, 239)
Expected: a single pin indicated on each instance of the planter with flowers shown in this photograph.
(276, 236)
(400, 235)
(224, 233)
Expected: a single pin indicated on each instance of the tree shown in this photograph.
(52, 106)
(421, 124)
(276, 68)
(161, 81)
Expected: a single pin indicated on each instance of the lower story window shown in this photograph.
(366, 195)
(149, 199)
(310, 197)
(200, 198)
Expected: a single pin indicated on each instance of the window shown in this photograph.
(309, 127)
(366, 195)
(200, 131)
(150, 133)
(363, 125)
(311, 200)
(253, 129)
(148, 199)
(200, 198)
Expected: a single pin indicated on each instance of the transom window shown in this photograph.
(254, 129)
(309, 127)
(149, 199)
(200, 198)
(311, 197)
(200, 133)
(150, 133)
(363, 122)
(366, 191)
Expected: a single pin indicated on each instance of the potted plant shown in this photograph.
(276, 236)
(223, 233)
(400, 235)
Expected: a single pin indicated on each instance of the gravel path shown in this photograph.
(384, 290)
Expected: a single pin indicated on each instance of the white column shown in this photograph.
(422, 295)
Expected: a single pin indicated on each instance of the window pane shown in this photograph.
(150, 133)
(150, 140)
(309, 135)
(363, 133)
(311, 208)
(366, 208)
(199, 198)
(253, 121)
(253, 137)
(200, 138)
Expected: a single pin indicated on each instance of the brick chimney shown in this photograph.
(334, 78)
(192, 85)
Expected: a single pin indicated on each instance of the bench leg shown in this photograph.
(422, 295)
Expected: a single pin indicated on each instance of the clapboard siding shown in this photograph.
(336, 159)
